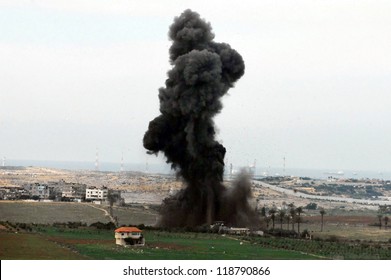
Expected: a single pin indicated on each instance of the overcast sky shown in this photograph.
(77, 75)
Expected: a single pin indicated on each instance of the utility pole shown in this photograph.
(97, 160)
(122, 162)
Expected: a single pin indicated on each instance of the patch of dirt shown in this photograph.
(169, 246)
(364, 220)
(3, 228)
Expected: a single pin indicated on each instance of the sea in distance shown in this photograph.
(164, 168)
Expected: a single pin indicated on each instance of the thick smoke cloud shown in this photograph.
(202, 72)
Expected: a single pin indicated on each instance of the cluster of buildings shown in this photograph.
(219, 227)
(57, 191)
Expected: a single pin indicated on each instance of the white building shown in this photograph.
(94, 193)
(125, 236)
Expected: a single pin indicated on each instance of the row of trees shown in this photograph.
(291, 215)
(382, 218)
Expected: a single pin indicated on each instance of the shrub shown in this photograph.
(311, 206)
(333, 238)
(100, 225)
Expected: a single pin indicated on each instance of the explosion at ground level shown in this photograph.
(210, 201)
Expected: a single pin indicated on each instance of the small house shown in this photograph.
(126, 236)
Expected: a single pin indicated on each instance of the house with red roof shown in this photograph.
(128, 236)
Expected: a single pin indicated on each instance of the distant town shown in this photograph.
(48, 184)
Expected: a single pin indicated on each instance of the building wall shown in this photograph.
(42, 191)
(95, 193)
(74, 191)
(120, 237)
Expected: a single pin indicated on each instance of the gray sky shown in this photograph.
(76, 75)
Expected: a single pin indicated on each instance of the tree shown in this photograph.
(322, 212)
(299, 211)
(298, 220)
(113, 197)
(292, 211)
(288, 219)
(386, 219)
(380, 216)
(263, 211)
(311, 206)
(281, 216)
(272, 213)
(267, 220)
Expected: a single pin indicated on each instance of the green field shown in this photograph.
(27, 246)
(48, 242)
(58, 243)
(49, 212)
(63, 212)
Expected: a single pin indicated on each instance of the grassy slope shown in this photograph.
(63, 212)
(48, 212)
(23, 246)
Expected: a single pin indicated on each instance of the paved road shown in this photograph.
(321, 197)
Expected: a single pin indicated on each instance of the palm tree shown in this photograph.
(267, 220)
(322, 212)
(281, 216)
(263, 211)
(288, 219)
(299, 210)
(292, 211)
(386, 219)
(380, 216)
(272, 213)
(291, 205)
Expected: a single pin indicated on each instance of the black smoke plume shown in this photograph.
(202, 72)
